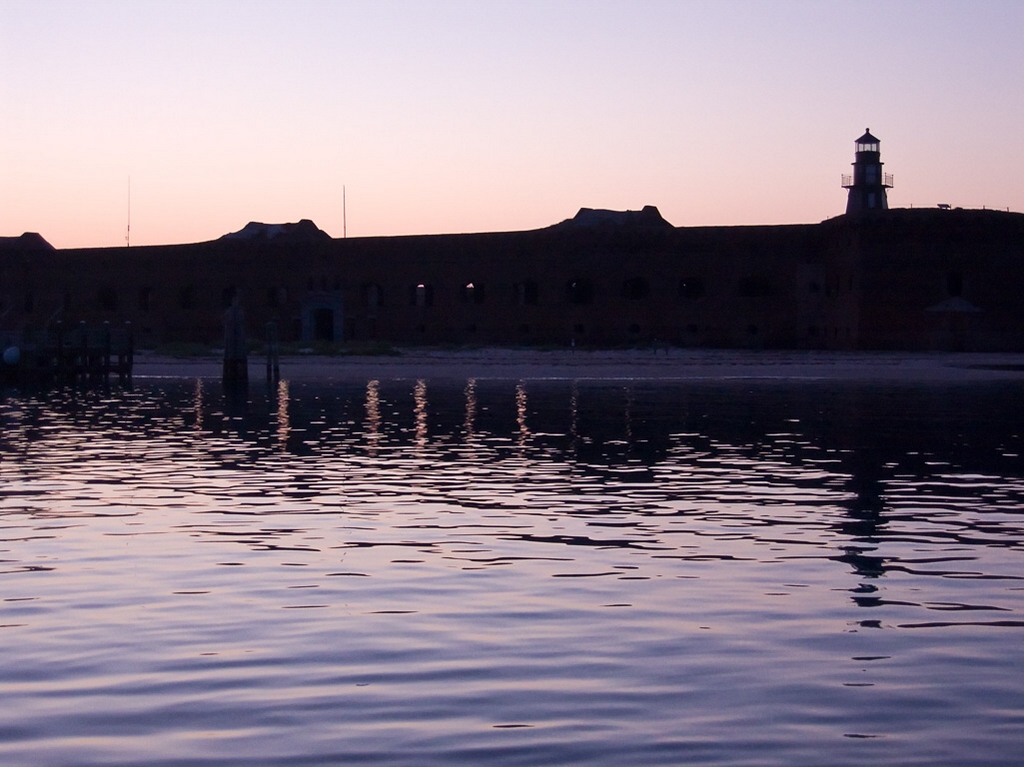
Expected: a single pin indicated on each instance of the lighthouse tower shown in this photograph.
(867, 185)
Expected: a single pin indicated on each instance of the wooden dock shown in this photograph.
(69, 355)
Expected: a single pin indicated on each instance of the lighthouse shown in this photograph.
(867, 185)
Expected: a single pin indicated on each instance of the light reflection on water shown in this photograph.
(417, 572)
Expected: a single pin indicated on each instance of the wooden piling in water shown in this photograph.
(126, 356)
(236, 354)
(273, 354)
(80, 355)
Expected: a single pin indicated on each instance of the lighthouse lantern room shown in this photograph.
(868, 183)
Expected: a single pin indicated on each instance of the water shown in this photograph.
(513, 573)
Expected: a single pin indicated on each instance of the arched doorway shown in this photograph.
(322, 318)
(323, 324)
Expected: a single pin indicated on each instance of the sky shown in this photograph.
(392, 117)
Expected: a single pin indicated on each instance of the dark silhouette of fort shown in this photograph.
(873, 278)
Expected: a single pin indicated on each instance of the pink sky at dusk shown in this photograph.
(445, 117)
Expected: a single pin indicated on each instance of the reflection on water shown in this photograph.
(469, 426)
(283, 420)
(197, 410)
(411, 572)
(524, 430)
(373, 415)
(420, 398)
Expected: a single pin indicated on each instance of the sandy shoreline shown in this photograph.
(676, 365)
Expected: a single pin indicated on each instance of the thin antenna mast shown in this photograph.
(344, 214)
(128, 232)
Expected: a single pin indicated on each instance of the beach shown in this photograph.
(632, 364)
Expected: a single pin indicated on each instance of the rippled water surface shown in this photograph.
(493, 572)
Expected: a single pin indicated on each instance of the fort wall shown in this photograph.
(903, 279)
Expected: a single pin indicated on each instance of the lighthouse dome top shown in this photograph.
(867, 142)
